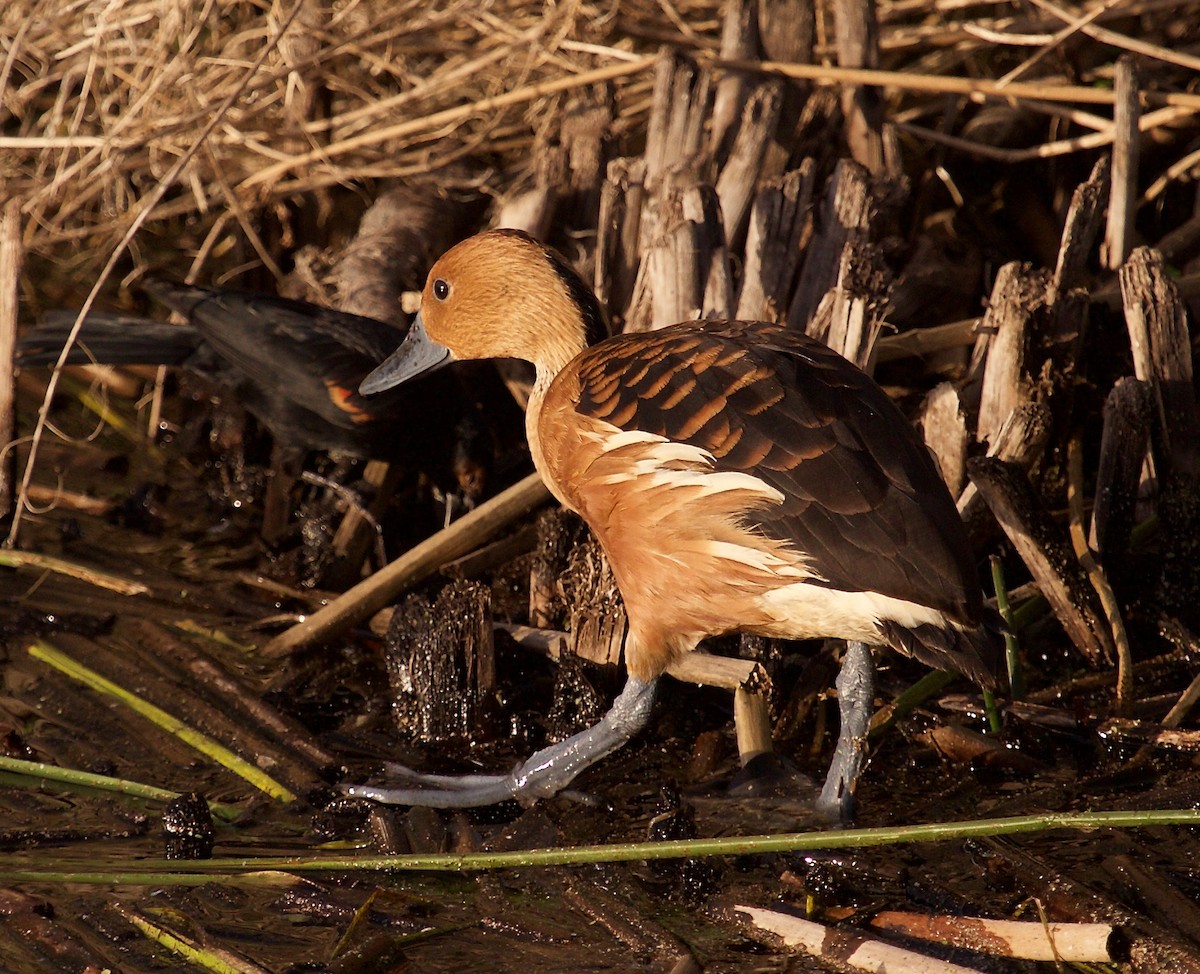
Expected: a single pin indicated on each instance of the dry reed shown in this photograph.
(99, 100)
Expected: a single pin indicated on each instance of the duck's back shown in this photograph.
(678, 431)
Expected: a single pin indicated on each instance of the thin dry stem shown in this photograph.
(1096, 575)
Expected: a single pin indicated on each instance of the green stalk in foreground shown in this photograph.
(39, 773)
(214, 751)
(186, 948)
(153, 871)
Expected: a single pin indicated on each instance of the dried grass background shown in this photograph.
(101, 99)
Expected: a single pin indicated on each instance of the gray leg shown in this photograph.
(856, 690)
(546, 773)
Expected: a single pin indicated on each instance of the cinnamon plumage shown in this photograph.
(739, 476)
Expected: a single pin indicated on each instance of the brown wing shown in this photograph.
(862, 496)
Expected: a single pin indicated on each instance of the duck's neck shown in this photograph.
(570, 327)
(533, 413)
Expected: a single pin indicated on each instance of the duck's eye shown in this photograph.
(441, 289)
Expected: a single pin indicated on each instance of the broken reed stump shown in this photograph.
(558, 532)
(1124, 443)
(1035, 322)
(844, 223)
(738, 179)
(857, 31)
(1043, 548)
(684, 273)
(944, 428)
(1017, 296)
(1021, 441)
(618, 251)
(775, 239)
(1162, 356)
(572, 588)
(739, 42)
(673, 224)
(679, 111)
(441, 664)
(1085, 216)
(850, 316)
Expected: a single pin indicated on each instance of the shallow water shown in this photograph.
(201, 571)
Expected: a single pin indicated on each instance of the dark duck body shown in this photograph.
(740, 477)
(295, 366)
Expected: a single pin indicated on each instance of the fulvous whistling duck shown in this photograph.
(740, 476)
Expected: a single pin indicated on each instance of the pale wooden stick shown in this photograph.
(11, 558)
(1080, 943)
(954, 84)
(11, 258)
(1119, 231)
(704, 669)
(412, 567)
(849, 948)
(752, 724)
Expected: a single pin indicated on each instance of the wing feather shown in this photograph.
(862, 498)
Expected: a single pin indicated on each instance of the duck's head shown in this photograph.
(499, 294)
